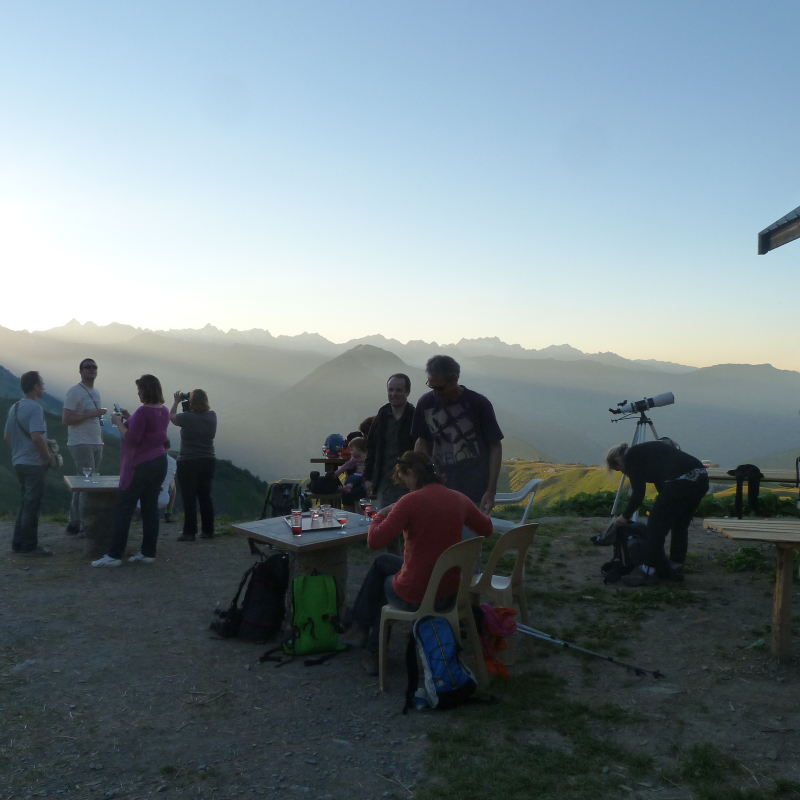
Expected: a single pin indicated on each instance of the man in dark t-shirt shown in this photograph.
(458, 429)
(682, 482)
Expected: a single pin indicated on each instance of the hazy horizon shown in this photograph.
(405, 341)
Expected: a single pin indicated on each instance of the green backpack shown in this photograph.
(315, 623)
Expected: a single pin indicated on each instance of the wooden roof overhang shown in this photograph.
(786, 229)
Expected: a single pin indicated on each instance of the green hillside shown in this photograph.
(562, 481)
(236, 492)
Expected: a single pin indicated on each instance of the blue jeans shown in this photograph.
(26, 528)
(377, 591)
(144, 487)
(194, 478)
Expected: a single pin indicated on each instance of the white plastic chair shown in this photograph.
(503, 590)
(508, 498)
(463, 556)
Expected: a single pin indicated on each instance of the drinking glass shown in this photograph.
(297, 521)
(87, 473)
(327, 514)
(95, 476)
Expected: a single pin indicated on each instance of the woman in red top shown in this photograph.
(431, 518)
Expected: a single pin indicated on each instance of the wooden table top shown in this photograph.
(717, 474)
(276, 532)
(97, 483)
(771, 531)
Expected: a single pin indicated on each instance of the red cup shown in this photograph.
(297, 521)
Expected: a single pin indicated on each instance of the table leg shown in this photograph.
(330, 561)
(782, 609)
(97, 514)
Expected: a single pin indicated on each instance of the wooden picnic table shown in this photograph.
(97, 510)
(717, 474)
(324, 550)
(785, 535)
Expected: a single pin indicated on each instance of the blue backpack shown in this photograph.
(447, 681)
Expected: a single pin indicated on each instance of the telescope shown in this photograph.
(665, 399)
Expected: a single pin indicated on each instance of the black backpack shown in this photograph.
(281, 498)
(264, 606)
(323, 484)
(629, 548)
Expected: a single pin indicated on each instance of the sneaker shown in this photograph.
(37, 551)
(206, 535)
(638, 578)
(370, 664)
(142, 559)
(107, 561)
(675, 575)
(72, 529)
(185, 537)
(168, 517)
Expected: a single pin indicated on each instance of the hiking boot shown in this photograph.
(168, 517)
(142, 559)
(370, 664)
(72, 529)
(185, 537)
(353, 637)
(638, 578)
(37, 551)
(107, 561)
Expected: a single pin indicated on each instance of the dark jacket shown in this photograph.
(376, 441)
(657, 463)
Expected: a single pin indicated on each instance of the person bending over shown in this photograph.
(681, 481)
(431, 518)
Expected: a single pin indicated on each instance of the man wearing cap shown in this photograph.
(83, 412)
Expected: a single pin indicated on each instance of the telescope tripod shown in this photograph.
(639, 436)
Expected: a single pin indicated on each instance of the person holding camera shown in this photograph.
(682, 482)
(26, 434)
(143, 467)
(196, 461)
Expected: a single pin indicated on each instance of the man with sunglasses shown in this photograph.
(458, 429)
(83, 412)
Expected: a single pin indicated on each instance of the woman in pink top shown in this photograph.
(431, 518)
(143, 469)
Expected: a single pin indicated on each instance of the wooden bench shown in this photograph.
(785, 535)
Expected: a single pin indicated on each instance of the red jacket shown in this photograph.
(431, 519)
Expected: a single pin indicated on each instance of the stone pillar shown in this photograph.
(97, 514)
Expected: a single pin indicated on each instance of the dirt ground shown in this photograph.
(112, 685)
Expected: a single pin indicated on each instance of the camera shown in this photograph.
(185, 401)
(665, 399)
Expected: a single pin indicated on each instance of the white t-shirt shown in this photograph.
(163, 497)
(82, 399)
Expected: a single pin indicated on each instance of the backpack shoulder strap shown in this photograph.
(16, 419)
(412, 672)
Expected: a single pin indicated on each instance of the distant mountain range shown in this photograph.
(415, 352)
(277, 401)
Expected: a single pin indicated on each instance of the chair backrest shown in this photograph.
(519, 539)
(463, 556)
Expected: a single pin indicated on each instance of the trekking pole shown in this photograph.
(553, 640)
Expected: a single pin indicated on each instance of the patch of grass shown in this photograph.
(535, 743)
(167, 769)
(748, 558)
(706, 763)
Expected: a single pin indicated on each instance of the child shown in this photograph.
(354, 486)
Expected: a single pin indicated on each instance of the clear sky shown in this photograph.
(586, 172)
